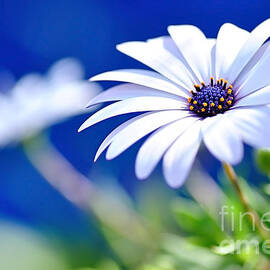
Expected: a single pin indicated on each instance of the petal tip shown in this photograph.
(92, 79)
(80, 129)
(140, 175)
(96, 157)
(110, 154)
(175, 185)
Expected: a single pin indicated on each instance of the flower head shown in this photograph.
(36, 102)
(211, 90)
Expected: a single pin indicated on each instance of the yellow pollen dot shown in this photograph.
(212, 104)
(229, 91)
(203, 109)
(195, 102)
(191, 108)
(229, 102)
(205, 104)
(189, 99)
(202, 83)
(191, 92)
(230, 86)
(221, 99)
(219, 107)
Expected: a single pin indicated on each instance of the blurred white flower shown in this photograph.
(36, 102)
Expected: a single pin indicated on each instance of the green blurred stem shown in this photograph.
(230, 172)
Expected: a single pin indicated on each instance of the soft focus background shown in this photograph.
(33, 35)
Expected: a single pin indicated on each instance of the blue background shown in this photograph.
(34, 34)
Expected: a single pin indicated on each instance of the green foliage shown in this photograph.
(196, 222)
(158, 229)
(23, 249)
(263, 160)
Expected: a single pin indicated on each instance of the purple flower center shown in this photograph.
(211, 99)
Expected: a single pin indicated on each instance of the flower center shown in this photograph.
(211, 99)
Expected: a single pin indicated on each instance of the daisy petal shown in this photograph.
(149, 154)
(140, 128)
(179, 158)
(255, 40)
(212, 48)
(229, 42)
(160, 60)
(251, 67)
(222, 140)
(194, 47)
(138, 104)
(253, 125)
(260, 97)
(110, 137)
(258, 78)
(125, 91)
(167, 43)
(142, 77)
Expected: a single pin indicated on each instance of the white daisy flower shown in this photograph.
(36, 102)
(214, 91)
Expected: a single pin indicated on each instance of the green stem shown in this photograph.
(254, 217)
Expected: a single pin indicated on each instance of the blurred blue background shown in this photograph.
(34, 34)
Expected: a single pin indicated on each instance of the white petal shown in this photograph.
(138, 129)
(159, 59)
(142, 77)
(139, 104)
(110, 137)
(256, 39)
(167, 43)
(248, 71)
(253, 125)
(212, 48)
(222, 139)
(229, 42)
(259, 77)
(259, 97)
(157, 144)
(194, 47)
(125, 91)
(179, 158)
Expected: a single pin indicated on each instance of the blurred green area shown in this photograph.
(157, 229)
